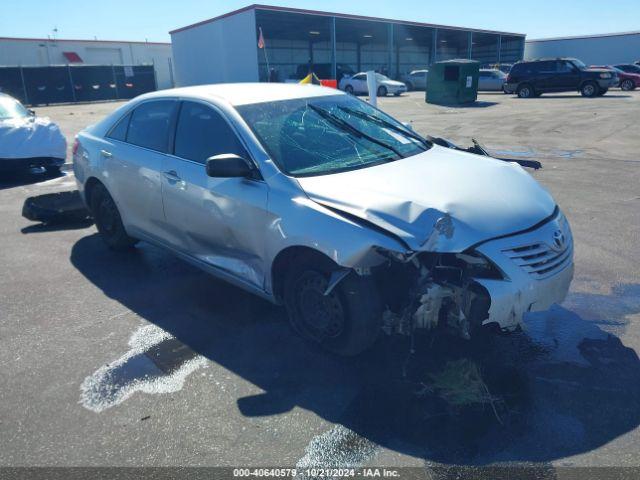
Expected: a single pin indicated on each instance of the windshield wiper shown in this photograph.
(346, 126)
(383, 122)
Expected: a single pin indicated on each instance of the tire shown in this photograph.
(346, 322)
(525, 91)
(627, 85)
(108, 220)
(589, 89)
(409, 86)
(382, 91)
(53, 170)
(349, 89)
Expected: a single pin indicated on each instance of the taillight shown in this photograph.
(76, 144)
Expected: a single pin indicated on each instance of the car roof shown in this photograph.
(247, 93)
(420, 70)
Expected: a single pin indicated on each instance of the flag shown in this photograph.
(260, 39)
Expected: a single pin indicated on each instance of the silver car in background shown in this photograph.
(491, 80)
(416, 80)
(312, 198)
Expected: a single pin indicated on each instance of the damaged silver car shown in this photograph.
(313, 198)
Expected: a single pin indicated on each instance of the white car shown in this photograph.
(27, 141)
(313, 198)
(358, 85)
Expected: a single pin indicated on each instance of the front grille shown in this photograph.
(539, 259)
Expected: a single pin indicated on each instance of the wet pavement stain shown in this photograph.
(338, 448)
(156, 363)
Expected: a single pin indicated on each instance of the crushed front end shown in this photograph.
(494, 282)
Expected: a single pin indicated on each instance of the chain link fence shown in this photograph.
(76, 83)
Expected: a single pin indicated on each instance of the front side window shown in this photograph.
(11, 108)
(323, 135)
(149, 125)
(201, 133)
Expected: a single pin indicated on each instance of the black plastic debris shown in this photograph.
(61, 207)
(478, 149)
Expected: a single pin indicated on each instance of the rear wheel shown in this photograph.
(589, 89)
(382, 91)
(525, 91)
(347, 321)
(108, 220)
(349, 89)
(627, 85)
(409, 86)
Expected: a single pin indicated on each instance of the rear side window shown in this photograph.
(202, 133)
(149, 125)
(119, 131)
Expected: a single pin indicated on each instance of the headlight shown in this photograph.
(605, 75)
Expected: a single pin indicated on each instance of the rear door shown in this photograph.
(138, 144)
(544, 75)
(359, 83)
(219, 221)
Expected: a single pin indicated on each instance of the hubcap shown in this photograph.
(321, 316)
(589, 89)
(525, 92)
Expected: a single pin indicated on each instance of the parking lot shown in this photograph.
(139, 359)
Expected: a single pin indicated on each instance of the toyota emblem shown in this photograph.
(559, 240)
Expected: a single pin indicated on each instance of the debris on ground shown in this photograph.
(61, 207)
(460, 384)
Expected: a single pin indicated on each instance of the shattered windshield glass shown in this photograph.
(10, 108)
(322, 135)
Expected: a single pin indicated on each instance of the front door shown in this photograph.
(219, 221)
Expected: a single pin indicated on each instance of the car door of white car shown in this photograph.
(132, 153)
(218, 221)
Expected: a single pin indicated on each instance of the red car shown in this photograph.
(628, 80)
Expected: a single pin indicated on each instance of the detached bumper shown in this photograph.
(539, 269)
(17, 164)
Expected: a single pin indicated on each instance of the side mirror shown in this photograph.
(227, 165)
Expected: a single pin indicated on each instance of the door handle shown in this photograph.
(174, 179)
(106, 154)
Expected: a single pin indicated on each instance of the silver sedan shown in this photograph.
(312, 198)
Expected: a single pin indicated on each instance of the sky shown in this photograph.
(152, 19)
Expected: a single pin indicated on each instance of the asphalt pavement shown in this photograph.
(138, 359)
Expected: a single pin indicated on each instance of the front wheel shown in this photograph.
(347, 321)
(627, 85)
(382, 91)
(589, 89)
(108, 220)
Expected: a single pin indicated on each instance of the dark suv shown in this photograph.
(533, 78)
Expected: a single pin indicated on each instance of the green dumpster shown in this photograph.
(453, 82)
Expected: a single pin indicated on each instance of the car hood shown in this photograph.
(31, 138)
(440, 200)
